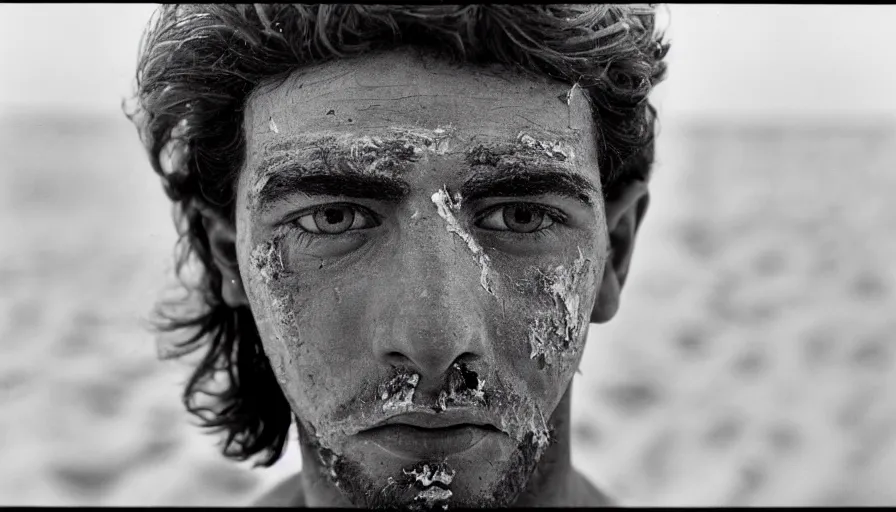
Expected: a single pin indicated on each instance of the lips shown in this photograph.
(416, 436)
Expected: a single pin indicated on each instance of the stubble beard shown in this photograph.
(351, 479)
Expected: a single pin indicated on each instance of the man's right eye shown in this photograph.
(335, 220)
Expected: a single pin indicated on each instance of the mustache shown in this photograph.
(464, 398)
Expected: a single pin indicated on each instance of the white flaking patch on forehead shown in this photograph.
(446, 205)
(436, 141)
(553, 149)
(386, 154)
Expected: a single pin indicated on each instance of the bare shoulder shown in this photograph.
(288, 493)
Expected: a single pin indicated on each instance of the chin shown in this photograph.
(493, 472)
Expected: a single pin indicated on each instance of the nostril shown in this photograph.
(462, 377)
(464, 387)
(470, 378)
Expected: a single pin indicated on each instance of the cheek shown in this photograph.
(551, 306)
(301, 337)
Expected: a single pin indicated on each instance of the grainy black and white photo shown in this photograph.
(445, 256)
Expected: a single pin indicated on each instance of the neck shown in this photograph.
(553, 483)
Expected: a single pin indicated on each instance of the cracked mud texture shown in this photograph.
(559, 327)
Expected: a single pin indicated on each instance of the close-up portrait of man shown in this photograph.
(397, 226)
(436, 257)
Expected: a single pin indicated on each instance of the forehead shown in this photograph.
(376, 92)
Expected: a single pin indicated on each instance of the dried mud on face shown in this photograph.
(751, 362)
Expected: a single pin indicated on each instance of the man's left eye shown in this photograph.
(518, 218)
(335, 220)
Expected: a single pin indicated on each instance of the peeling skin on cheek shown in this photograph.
(446, 206)
(266, 265)
(557, 330)
(266, 259)
(522, 420)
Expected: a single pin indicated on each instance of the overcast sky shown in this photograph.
(726, 59)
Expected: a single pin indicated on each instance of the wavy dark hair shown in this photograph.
(199, 63)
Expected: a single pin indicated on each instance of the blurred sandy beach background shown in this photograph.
(752, 362)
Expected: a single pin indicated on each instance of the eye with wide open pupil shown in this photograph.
(522, 219)
(334, 219)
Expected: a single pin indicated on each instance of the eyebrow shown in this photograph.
(527, 182)
(299, 180)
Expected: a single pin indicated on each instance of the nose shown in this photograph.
(434, 312)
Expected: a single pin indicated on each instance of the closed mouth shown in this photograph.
(444, 420)
(435, 430)
(414, 442)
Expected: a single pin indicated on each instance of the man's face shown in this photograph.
(421, 244)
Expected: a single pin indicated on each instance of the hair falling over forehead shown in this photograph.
(199, 63)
